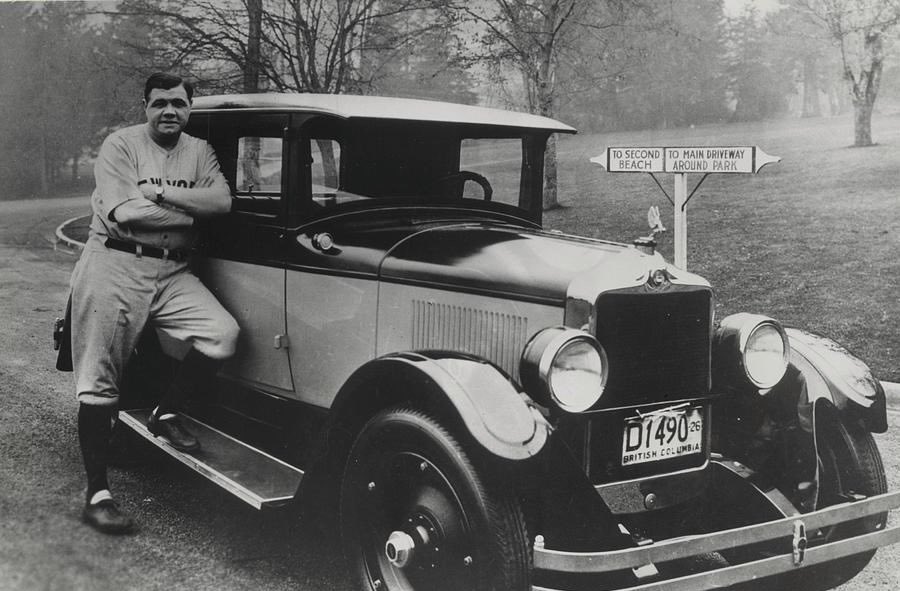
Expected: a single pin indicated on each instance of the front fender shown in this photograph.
(488, 405)
(775, 432)
(832, 373)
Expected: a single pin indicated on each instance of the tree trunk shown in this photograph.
(810, 88)
(329, 164)
(250, 164)
(551, 178)
(251, 145)
(865, 90)
(254, 36)
(837, 99)
(862, 123)
(544, 91)
(44, 168)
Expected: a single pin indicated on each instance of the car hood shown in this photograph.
(531, 265)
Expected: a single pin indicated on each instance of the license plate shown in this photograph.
(662, 435)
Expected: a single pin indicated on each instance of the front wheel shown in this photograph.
(417, 515)
(849, 463)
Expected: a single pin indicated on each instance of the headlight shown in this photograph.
(765, 358)
(565, 366)
(757, 344)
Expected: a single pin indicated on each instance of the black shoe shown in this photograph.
(105, 517)
(172, 432)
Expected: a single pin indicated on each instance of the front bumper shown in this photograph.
(791, 529)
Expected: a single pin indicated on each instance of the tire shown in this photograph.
(408, 483)
(849, 462)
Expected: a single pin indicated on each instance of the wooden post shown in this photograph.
(681, 221)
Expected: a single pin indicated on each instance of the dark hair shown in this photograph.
(166, 81)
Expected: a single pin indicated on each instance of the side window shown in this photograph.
(258, 175)
(326, 165)
(498, 162)
(326, 173)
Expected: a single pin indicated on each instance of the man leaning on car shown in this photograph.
(152, 183)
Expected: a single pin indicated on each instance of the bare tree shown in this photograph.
(284, 45)
(859, 29)
(320, 46)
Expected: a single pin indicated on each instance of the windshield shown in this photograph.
(489, 170)
(350, 164)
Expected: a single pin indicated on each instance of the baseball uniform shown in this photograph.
(115, 293)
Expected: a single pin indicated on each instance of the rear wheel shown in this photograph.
(417, 515)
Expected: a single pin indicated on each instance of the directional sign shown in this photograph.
(632, 159)
(685, 159)
(681, 161)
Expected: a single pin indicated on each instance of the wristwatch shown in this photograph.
(160, 194)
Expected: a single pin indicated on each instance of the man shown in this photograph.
(152, 182)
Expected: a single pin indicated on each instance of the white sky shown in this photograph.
(734, 7)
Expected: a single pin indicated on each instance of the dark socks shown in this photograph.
(94, 431)
(196, 371)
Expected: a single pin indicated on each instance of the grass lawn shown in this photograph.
(813, 241)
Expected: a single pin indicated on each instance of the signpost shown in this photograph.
(681, 161)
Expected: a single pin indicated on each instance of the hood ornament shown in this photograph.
(647, 244)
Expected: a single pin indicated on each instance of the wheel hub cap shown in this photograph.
(400, 548)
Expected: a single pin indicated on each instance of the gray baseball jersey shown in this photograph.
(128, 158)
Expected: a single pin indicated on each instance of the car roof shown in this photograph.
(378, 107)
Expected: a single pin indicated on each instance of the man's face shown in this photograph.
(167, 112)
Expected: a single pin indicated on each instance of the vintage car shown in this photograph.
(485, 404)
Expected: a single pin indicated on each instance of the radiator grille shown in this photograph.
(495, 336)
(658, 345)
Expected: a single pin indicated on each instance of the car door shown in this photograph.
(244, 264)
(331, 290)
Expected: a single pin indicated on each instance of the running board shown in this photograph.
(253, 476)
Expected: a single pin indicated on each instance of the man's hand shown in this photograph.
(198, 202)
(148, 190)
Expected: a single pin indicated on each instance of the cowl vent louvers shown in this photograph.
(495, 336)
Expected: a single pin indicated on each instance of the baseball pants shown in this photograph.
(116, 294)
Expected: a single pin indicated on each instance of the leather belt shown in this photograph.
(142, 250)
